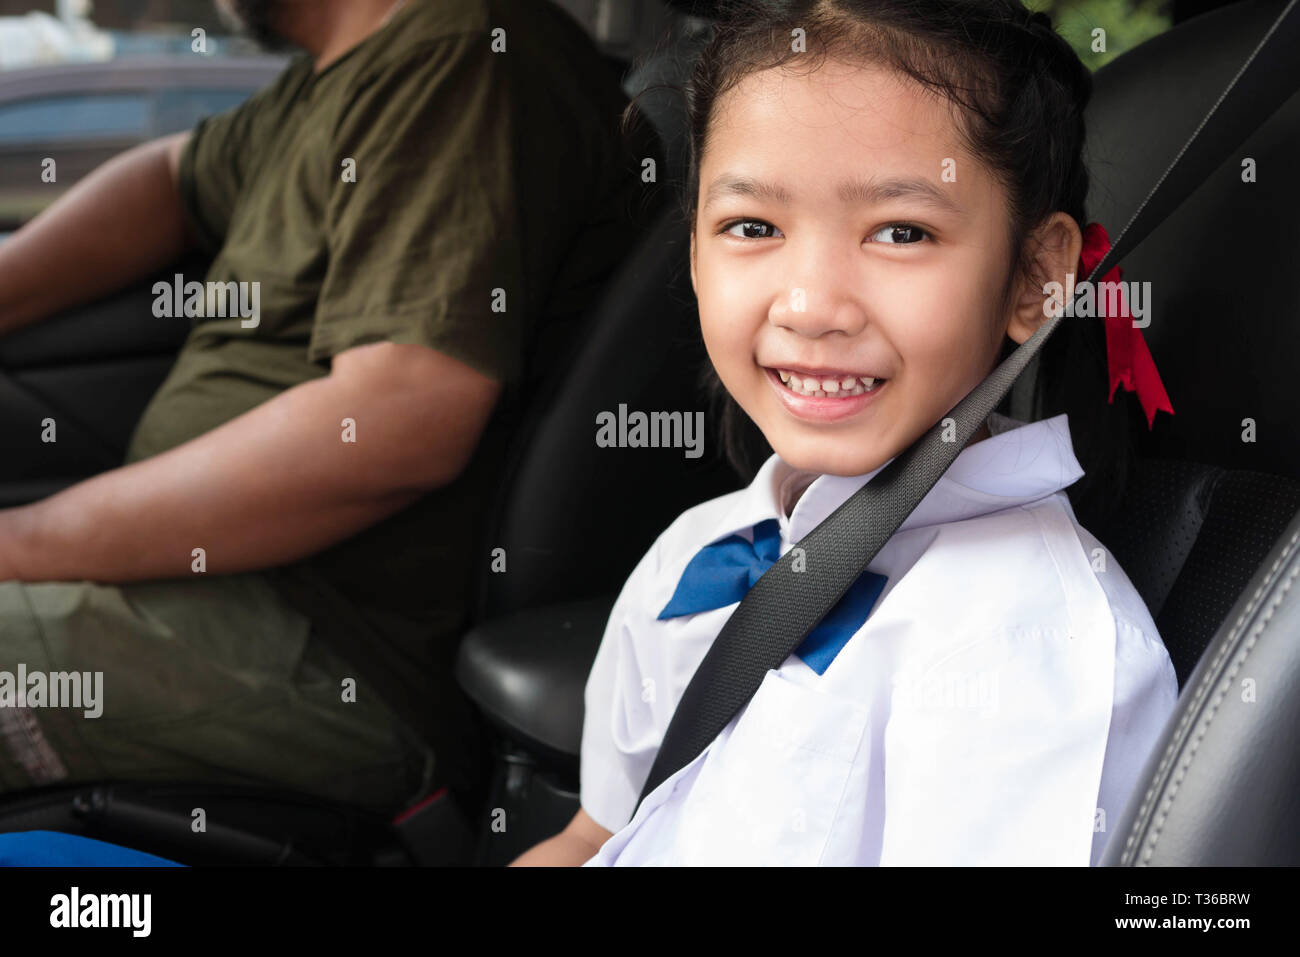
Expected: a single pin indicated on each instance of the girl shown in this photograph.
(879, 192)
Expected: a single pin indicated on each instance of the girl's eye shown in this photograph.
(898, 230)
(751, 229)
(899, 234)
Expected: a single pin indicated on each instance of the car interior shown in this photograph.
(1207, 531)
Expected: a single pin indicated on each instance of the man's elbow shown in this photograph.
(431, 411)
(443, 463)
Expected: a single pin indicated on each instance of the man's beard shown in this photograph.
(254, 18)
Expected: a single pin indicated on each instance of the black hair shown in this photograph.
(1023, 91)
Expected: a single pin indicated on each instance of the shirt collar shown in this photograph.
(1020, 463)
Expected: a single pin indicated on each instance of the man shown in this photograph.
(273, 584)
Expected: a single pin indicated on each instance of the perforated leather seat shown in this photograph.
(1190, 537)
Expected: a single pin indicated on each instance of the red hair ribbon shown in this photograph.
(1127, 356)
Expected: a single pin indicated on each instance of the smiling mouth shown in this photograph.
(828, 385)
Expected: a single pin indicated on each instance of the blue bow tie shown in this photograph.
(721, 574)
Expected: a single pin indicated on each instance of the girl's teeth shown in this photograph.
(841, 386)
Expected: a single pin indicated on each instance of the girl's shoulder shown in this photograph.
(1030, 568)
(1132, 617)
(1099, 577)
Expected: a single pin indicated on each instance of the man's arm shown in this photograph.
(271, 486)
(123, 222)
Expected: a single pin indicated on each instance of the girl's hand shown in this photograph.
(572, 847)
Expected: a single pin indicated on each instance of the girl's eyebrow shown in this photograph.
(869, 191)
(850, 192)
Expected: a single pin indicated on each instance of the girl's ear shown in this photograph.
(1054, 249)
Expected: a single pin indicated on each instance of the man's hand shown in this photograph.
(274, 485)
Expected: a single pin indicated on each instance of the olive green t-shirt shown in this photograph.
(464, 158)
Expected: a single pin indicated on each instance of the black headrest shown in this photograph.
(574, 517)
(658, 85)
(575, 514)
(1225, 319)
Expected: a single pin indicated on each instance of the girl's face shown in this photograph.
(843, 235)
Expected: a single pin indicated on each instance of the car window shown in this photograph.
(80, 117)
(181, 109)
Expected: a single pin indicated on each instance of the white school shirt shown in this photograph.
(995, 708)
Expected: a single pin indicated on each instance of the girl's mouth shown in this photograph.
(823, 398)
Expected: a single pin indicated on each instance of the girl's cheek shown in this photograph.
(729, 313)
(727, 294)
(722, 338)
(933, 314)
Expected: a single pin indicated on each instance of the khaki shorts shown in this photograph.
(211, 680)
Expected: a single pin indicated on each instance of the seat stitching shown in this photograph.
(1198, 695)
(1214, 706)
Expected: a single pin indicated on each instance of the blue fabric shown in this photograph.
(56, 849)
(721, 573)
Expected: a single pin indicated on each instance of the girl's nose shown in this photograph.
(819, 296)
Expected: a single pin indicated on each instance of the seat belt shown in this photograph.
(783, 606)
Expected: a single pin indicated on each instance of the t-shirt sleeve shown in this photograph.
(421, 226)
(214, 163)
(619, 734)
